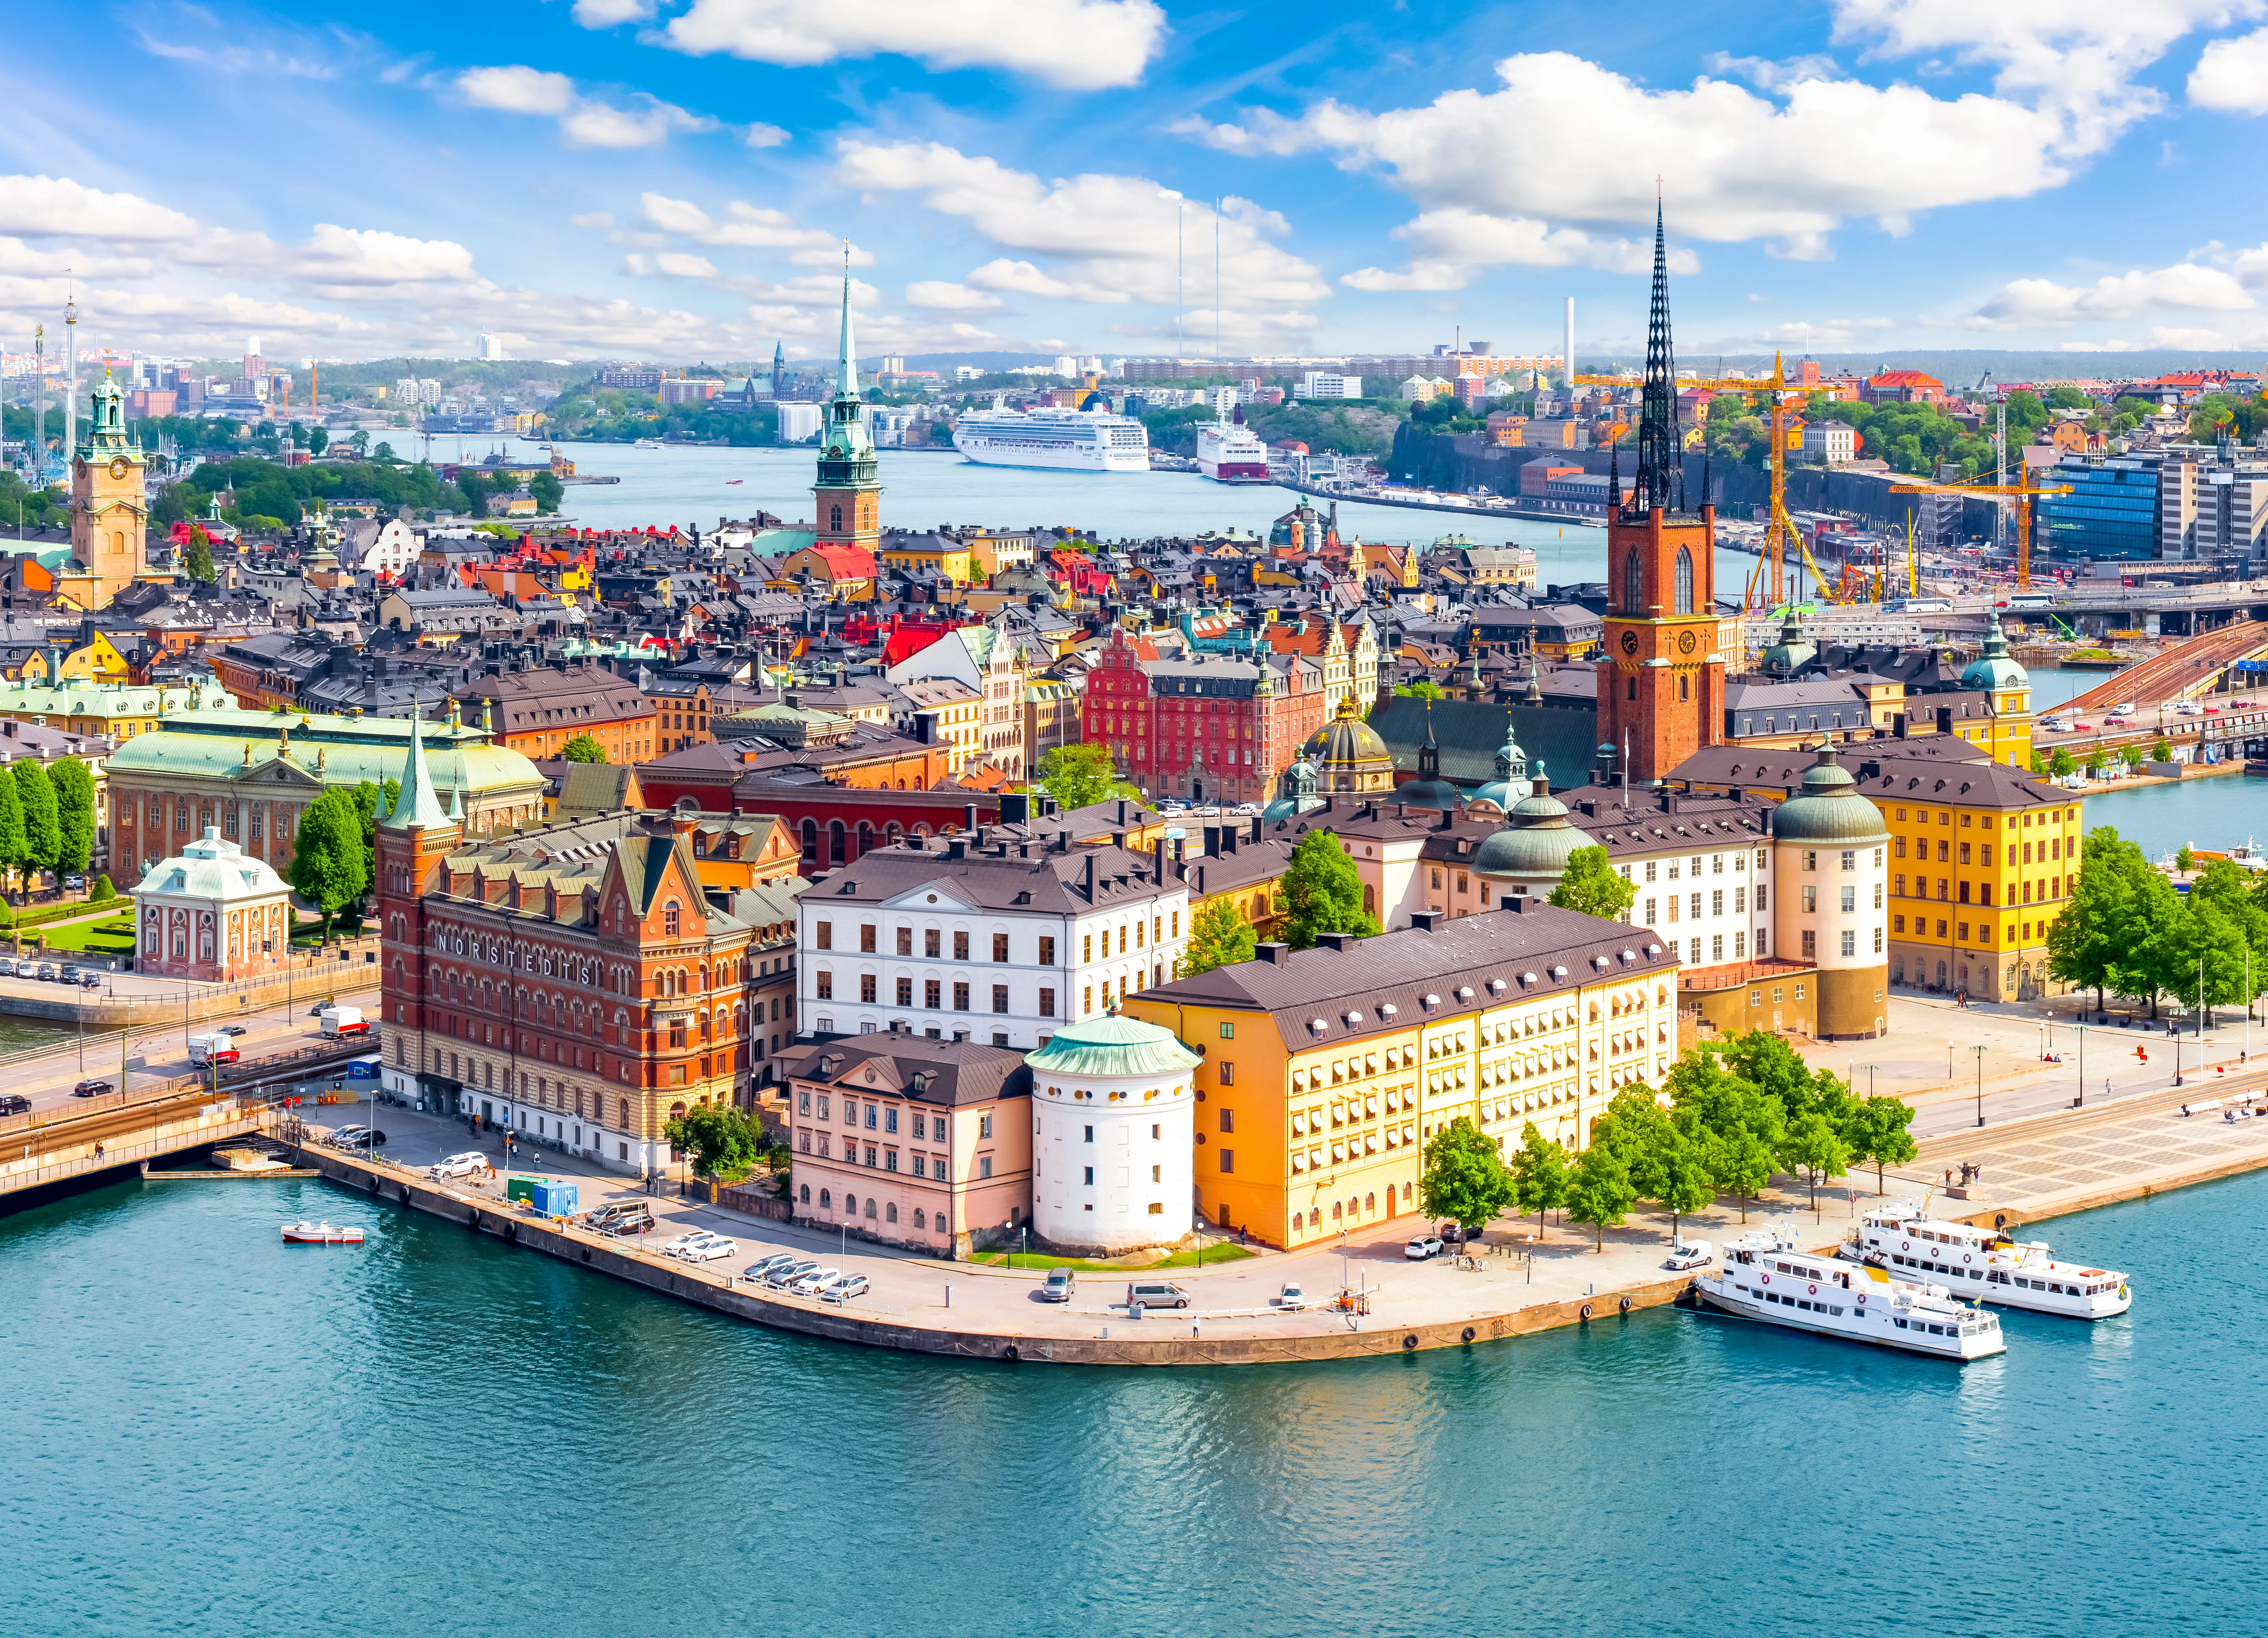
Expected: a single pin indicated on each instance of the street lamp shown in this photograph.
(1870, 1078)
(1979, 1051)
(1948, 1059)
(2080, 1101)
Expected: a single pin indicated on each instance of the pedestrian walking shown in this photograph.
(1949, 1177)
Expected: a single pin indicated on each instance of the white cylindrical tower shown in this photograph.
(1112, 1136)
(1568, 344)
(1830, 872)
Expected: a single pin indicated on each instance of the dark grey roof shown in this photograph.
(948, 1074)
(1469, 733)
(1368, 987)
(1004, 876)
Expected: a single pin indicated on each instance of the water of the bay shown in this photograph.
(209, 1434)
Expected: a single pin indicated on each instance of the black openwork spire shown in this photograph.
(1658, 467)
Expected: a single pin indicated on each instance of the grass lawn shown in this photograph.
(112, 937)
(1213, 1254)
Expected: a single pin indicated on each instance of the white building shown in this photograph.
(211, 913)
(993, 937)
(1834, 442)
(1321, 384)
(491, 350)
(1067, 365)
(799, 423)
(1112, 1136)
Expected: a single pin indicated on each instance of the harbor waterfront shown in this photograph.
(342, 1427)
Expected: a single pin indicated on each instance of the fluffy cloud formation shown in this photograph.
(747, 227)
(1101, 239)
(38, 207)
(583, 121)
(1448, 248)
(1080, 45)
(2233, 74)
(943, 295)
(2212, 298)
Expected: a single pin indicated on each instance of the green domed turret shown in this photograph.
(1994, 672)
(1830, 810)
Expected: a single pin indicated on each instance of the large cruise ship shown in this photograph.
(1765, 1277)
(1063, 440)
(1982, 1265)
(1230, 453)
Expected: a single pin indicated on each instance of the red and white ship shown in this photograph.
(1228, 451)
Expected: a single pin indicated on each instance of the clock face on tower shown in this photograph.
(1685, 642)
(1629, 642)
(118, 467)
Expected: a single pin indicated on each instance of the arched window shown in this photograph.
(870, 1205)
(921, 1218)
(626, 1114)
(865, 837)
(1633, 584)
(890, 1213)
(669, 919)
(849, 1205)
(835, 841)
(824, 1203)
(1370, 1202)
(1684, 580)
(807, 1194)
(811, 839)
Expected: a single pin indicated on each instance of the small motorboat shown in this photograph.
(304, 1233)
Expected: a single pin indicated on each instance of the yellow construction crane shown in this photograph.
(2023, 491)
(1780, 528)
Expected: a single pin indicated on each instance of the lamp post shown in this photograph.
(1948, 1059)
(1870, 1078)
(2080, 1101)
(1979, 1051)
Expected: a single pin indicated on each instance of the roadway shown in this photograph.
(2178, 672)
(47, 1076)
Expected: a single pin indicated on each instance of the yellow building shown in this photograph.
(2005, 732)
(116, 711)
(1327, 1071)
(940, 555)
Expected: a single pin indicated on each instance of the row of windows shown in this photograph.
(1961, 930)
(2024, 892)
(2066, 816)
(932, 994)
(2015, 852)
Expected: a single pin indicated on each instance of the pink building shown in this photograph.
(920, 1142)
(211, 913)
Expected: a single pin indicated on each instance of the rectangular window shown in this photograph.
(1653, 910)
(1227, 1077)
(1227, 1159)
(984, 1128)
(1850, 859)
(1087, 1176)
(826, 986)
(1811, 945)
(890, 1120)
(1047, 952)
(1228, 1120)
(960, 997)
(1649, 869)
(932, 994)
(932, 943)
(999, 997)
(906, 941)
(905, 991)
(1086, 947)
(1849, 899)
(999, 947)
(921, 1165)
(1810, 859)
(1878, 940)
(1878, 896)
(1716, 902)
(1740, 945)
(866, 981)
(1810, 901)
(960, 947)
(1228, 1032)
(1850, 942)
(1046, 1003)
(984, 1165)
(866, 937)
(1177, 921)
(873, 1113)
(1086, 999)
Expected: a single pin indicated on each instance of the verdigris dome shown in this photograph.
(1349, 754)
(1512, 782)
(1994, 672)
(1536, 841)
(1790, 653)
(1830, 808)
(1107, 1046)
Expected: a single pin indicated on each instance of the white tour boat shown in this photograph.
(1229, 452)
(1063, 440)
(1984, 1264)
(1763, 1277)
(304, 1233)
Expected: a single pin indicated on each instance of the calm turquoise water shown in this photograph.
(2219, 813)
(208, 1434)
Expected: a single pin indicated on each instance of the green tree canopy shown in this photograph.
(1876, 1132)
(1816, 1147)
(2086, 942)
(1737, 1127)
(198, 558)
(722, 1141)
(327, 863)
(1424, 688)
(1592, 886)
(43, 835)
(1465, 1179)
(12, 826)
(2060, 765)
(583, 748)
(74, 791)
(1322, 892)
(1078, 776)
(1598, 1190)
(549, 490)
(1220, 936)
(1539, 1175)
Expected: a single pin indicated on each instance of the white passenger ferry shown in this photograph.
(1763, 1277)
(1984, 1265)
(1062, 440)
(1229, 452)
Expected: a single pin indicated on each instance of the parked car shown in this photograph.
(7, 967)
(808, 1284)
(2121, 711)
(91, 1088)
(1060, 1283)
(1292, 1298)
(1425, 1248)
(691, 1238)
(46, 973)
(637, 1220)
(73, 883)
(755, 1272)
(71, 972)
(470, 1163)
(357, 1138)
(843, 1287)
(14, 1104)
(782, 1278)
(1156, 1294)
(232, 1030)
(715, 1249)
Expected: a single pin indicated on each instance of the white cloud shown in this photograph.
(1082, 44)
(2035, 304)
(608, 13)
(669, 264)
(942, 295)
(2233, 74)
(1448, 248)
(55, 207)
(342, 257)
(1098, 238)
(764, 136)
(583, 121)
(1827, 333)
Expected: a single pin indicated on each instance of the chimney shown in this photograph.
(1213, 834)
(1090, 875)
(1274, 954)
(1425, 921)
(957, 848)
(1516, 903)
(1337, 941)
(969, 815)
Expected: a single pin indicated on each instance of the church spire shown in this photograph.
(1657, 419)
(846, 368)
(416, 809)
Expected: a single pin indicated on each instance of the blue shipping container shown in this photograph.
(555, 1199)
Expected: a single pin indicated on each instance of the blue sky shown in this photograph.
(675, 179)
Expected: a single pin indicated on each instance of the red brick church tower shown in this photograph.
(1661, 689)
(411, 843)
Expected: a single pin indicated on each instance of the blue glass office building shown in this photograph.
(2110, 515)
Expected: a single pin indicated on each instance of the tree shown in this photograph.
(1736, 1126)
(1814, 1145)
(2060, 765)
(198, 559)
(2163, 752)
(2152, 957)
(1682, 1184)
(1599, 1189)
(1876, 1132)
(74, 789)
(1592, 886)
(2086, 942)
(719, 1138)
(1424, 688)
(1322, 892)
(1741, 1163)
(1465, 1179)
(11, 827)
(327, 865)
(583, 748)
(103, 892)
(549, 490)
(1220, 936)
(43, 835)
(319, 439)
(1767, 1063)
(1078, 776)
(1539, 1175)
(2184, 860)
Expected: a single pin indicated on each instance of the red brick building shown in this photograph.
(1902, 387)
(1214, 727)
(1661, 689)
